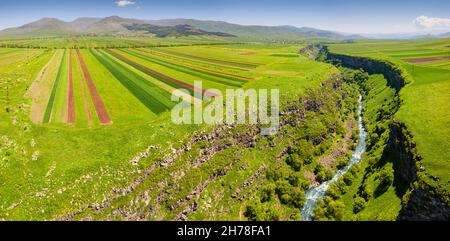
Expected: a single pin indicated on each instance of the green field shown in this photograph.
(64, 168)
(141, 166)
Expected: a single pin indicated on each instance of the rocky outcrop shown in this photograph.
(402, 150)
(423, 205)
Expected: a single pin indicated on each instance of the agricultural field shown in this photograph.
(79, 125)
(108, 42)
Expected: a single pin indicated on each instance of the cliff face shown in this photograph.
(400, 147)
(390, 71)
(421, 201)
(423, 205)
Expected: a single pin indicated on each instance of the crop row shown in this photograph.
(59, 78)
(227, 63)
(205, 75)
(135, 69)
(147, 93)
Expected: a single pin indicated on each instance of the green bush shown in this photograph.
(294, 161)
(348, 179)
(267, 192)
(386, 178)
(359, 204)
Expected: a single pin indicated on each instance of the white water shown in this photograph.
(313, 195)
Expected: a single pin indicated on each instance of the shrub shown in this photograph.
(337, 210)
(294, 161)
(267, 192)
(298, 198)
(366, 192)
(386, 177)
(359, 204)
(296, 179)
(348, 179)
(333, 192)
(255, 211)
(251, 211)
(305, 150)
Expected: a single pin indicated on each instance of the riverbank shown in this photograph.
(314, 195)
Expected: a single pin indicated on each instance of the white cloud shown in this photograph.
(124, 3)
(430, 22)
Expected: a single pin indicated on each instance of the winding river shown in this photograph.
(313, 195)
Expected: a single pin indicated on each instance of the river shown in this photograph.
(313, 195)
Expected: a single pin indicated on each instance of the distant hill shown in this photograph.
(172, 31)
(257, 31)
(166, 28)
(445, 35)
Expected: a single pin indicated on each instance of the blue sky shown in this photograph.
(351, 16)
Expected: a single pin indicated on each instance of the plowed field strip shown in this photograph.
(71, 102)
(427, 60)
(167, 88)
(48, 111)
(239, 65)
(220, 74)
(100, 108)
(154, 98)
(224, 80)
(161, 76)
(146, 60)
(85, 96)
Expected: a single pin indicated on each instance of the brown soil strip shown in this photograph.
(85, 97)
(100, 108)
(71, 102)
(427, 60)
(248, 54)
(175, 81)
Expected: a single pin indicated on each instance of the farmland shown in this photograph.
(75, 120)
(86, 130)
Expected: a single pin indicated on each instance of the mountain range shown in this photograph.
(115, 25)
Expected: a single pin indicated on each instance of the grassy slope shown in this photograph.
(387, 205)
